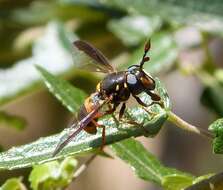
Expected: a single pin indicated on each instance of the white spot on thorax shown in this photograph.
(131, 79)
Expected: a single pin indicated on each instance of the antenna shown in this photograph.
(146, 49)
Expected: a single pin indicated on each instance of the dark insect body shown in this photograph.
(113, 90)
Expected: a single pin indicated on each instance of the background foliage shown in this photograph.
(36, 46)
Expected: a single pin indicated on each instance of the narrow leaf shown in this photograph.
(177, 182)
(212, 98)
(63, 91)
(217, 129)
(42, 150)
(213, 182)
(144, 163)
(146, 166)
(202, 178)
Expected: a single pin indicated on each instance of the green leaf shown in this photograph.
(163, 54)
(219, 75)
(53, 175)
(209, 182)
(52, 51)
(13, 184)
(41, 150)
(61, 10)
(212, 98)
(217, 129)
(145, 165)
(63, 91)
(14, 121)
(202, 14)
(202, 178)
(133, 30)
(163, 93)
(212, 94)
(177, 182)
(82, 2)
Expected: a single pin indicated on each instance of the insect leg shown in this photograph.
(140, 101)
(132, 122)
(103, 133)
(145, 105)
(121, 113)
(149, 112)
(112, 110)
(103, 137)
(122, 110)
(129, 121)
(156, 100)
(154, 97)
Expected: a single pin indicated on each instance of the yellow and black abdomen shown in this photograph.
(89, 106)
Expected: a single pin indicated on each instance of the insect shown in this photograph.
(113, 90)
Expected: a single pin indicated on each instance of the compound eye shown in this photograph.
(131, 79)
(148, 82)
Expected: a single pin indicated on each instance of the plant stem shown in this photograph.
(82, 168)
(187, 126)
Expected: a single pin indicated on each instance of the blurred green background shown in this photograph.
(186, 53)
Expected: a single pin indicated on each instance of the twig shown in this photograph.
(82, 168)
(186, 126)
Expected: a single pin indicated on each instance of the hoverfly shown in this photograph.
(113, 90)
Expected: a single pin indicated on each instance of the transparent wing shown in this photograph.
(88, 57)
